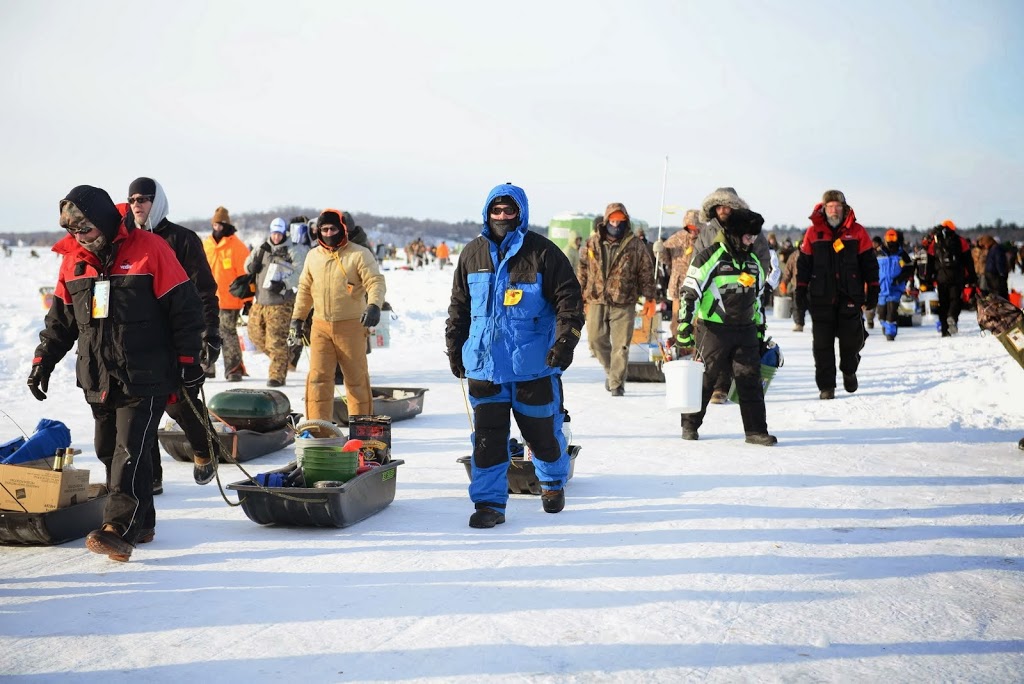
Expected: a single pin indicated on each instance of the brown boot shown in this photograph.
(107, 541)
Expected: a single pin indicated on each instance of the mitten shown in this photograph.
(801, 298)
(371, 317)
(455, 361)
(871, 300)
(39, 381)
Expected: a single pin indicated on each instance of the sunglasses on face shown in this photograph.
(140, 199)
(507, 211)
(81, 229)
(330, 228)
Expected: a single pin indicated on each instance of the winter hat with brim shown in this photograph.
(330, 217)
(278, 226)
(722, 197)
(92, 204)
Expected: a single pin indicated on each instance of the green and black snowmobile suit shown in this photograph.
(722, 289)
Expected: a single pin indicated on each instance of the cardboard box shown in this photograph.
(29, 489)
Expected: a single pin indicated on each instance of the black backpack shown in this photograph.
(948, 251)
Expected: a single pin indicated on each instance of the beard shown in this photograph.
(834, 222)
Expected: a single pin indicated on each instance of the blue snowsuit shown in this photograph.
(510, 302)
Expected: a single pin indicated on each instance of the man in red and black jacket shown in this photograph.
(836, 280)
(138, 320)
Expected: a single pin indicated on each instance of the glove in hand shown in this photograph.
(871, 300)
(560, 354)
(684, 338)
(801, 298)
(296, 334)
(192, 376)
(39, 382)
(277, 287)
(371, 317)
(211, 351)
(455, 361)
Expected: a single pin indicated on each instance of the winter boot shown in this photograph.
(1020, 444)
(690, 434)
(827, 394)
(951, 325)
(850, 382)
(485, 518)
(761, 439)
(719, 397)
(204, 470)
(108, 542)
(553, 500)
(889, 328)
(798, 327)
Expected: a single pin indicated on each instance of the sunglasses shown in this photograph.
(507, 211)
(83, 228)
(141, 198)
(329, 228)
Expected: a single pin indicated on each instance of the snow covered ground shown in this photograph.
(882, 540)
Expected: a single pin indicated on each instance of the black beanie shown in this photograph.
(97, 206)
(503, 199)
(744, 222)
(142, 186)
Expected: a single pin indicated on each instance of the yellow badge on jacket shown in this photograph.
(226, 263)
(513, 297)
(838, 245)
(746, 280)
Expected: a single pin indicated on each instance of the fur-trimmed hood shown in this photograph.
(725, 197)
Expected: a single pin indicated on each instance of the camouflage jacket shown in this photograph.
(622, 282)
(680, 253)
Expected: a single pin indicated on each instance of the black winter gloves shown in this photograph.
(211, 351)
(192, 376)
(39, 381)
(455, 361)
(801, 298)
(296, 334)
(871, 301)
(560, 354)
(371, 317)
(277, 287)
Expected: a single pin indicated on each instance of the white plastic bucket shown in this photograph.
(782, 306)
(683, 384)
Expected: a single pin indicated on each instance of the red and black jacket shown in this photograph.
(154, 322)
(837, 266)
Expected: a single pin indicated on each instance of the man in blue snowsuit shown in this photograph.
(513, 323)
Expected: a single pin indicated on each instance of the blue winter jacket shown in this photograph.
(894, 269)
(510, 302)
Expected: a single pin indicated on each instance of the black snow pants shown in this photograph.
(125, 431)
(731, 350)
(846, 324)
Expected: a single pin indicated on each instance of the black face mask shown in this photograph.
(218, 234)
(333, 240)
(501, 227)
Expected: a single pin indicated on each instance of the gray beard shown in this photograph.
(97, 245)
(834, 222)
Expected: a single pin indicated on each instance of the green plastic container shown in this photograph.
(767, 374)
(328, 463)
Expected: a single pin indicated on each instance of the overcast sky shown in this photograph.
(914, 109)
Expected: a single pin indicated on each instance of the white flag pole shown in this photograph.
(661, 207)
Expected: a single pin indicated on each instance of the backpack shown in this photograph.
(997, 315)
(948, 251)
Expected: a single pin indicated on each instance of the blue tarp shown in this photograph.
(49, 436)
